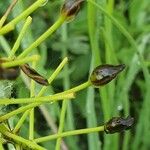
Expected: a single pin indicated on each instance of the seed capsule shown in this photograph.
(8, 73)
(103, 74)
(71, 8)
(30, 72)
(118, 124)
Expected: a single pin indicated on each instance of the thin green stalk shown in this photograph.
(61, 123)
(34, 104)
(65, 102)
(78, 88)
(110, 56)
(20, 122)
(20, 37)
(18, 139)
(4, 17)
(4, 44)
(31, 115)
(19, 62)
(93, 139)
(11, 25)
(70, 133)
(45, 35)
(50, 98)
(1, 146)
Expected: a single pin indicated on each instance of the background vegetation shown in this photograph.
(93, 38)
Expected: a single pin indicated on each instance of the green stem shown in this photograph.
(45, 35)
(19, 62)
(35, 104)
(46, 99)
(3, 19)
(78, 88)
(31, 116)
(10, 26)
(20, 37)
(70, 133)
(20, 122)
(18, 139)
(93, 31)
(4, 44)
(65, 102)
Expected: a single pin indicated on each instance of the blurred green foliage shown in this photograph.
(128, 95)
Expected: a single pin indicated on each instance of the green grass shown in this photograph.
(104, 32)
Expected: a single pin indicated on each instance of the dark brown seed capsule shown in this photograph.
(118, 124)
(30, 72)
(8, 73)
(103, 74)
(70, 8)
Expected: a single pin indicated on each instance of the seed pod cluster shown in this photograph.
(71, 8)
(118, 124)
(103, 74)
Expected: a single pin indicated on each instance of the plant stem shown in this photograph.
(34, 104)
(31, 115)
(65, 102)
(4, 44)
(3, 19)
(20, 37)
(20, 122)
(19, 62)
(45, 35)
(78, 88)
(93, 30)
(70, 133)
(46, 99)
(10, 26)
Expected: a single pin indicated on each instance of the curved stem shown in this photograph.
(19, 62)
(45, 35)
(35, 104)
(70, 133)
(20, 37)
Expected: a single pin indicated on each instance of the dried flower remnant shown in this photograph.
(103, 74)
(8, 73)
(71, 8)
(30, 72)
(118, 124)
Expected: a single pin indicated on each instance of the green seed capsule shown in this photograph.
(103, 74)
(118, 124)
(70, 9)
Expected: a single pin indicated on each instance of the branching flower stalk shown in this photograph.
(11, 66)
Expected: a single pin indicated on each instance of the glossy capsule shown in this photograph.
(33, 74)
(71, 8)
(8, 73)
(118, 124)
(103, 74)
